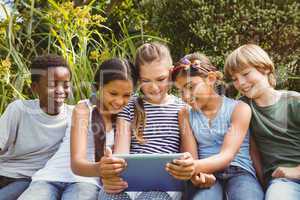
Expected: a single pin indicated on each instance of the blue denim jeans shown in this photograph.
(47, 190)
(283, 189)
(11, 189)
(234, 183)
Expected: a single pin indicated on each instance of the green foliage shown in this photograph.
(79, 34)
(218, 27)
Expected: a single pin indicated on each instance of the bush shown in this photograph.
(218, 27)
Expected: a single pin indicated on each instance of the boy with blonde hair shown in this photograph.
(275, 122)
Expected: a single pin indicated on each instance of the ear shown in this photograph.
(211, 78)
(170, 72)
(267, 71)
(34, 87)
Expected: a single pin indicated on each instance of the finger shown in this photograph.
(112, 160)
(180, 168)
(201, 178)
(108, 152)
(111, 173)
(187, 162)
(275, 173)
(181, 175)
(115, 166)
(210, 180)
(198, 180)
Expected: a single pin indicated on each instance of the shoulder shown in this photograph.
(81, 109)
(241, 110)
(22, 105)
(177, 100)
(184, 112)
(290, 95)
(244, 99)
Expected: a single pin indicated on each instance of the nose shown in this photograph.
(154, 87)
(59, 89)
(119, 102)
(186, 96)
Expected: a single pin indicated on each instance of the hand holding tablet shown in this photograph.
(147, 172)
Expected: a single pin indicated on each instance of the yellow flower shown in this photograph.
(6, 63)
(105, 54)
(98, 19)
(94, 55)
(5, 70)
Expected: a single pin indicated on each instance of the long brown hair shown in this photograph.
(146, 54)
(109, 70)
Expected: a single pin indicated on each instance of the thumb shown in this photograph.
(202, 178)
(108, 152)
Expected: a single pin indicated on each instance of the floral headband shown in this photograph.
(186, 64)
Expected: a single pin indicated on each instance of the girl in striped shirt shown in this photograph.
(149, 123)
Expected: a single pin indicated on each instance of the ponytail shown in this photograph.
(98, 128)
(139, 120)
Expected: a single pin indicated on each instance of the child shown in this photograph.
(153, 117)
(93, 126)
(275, 120)
(31, 130)
(56, 180)
(220, 126)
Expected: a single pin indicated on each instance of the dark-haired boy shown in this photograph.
(31, 130)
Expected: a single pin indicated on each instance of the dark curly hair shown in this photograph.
(43, 62)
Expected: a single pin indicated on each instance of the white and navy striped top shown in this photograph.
(161, 131)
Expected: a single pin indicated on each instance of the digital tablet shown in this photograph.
(146, 172)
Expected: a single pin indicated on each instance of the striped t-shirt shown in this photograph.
(161, 131)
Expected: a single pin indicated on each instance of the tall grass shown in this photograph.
(76, 33)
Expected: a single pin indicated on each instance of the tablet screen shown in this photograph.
(146, 172)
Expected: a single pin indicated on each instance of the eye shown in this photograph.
(113, 94)
(127, 95)
(145, 81)
(161, 79)
(246, 73)
(67, 85)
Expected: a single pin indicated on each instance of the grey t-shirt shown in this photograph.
(29, 137)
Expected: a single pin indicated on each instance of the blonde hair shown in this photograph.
(250, 55)
(152, 52)
(146, 54)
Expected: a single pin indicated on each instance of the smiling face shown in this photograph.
(115, 95)
(195, 90)
(154, 81)
(251, 82)
(53, 88)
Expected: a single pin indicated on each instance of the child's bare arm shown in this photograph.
(256, 158)
(187, 140)
(184, 168)
(123, 136)
(79, 132)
